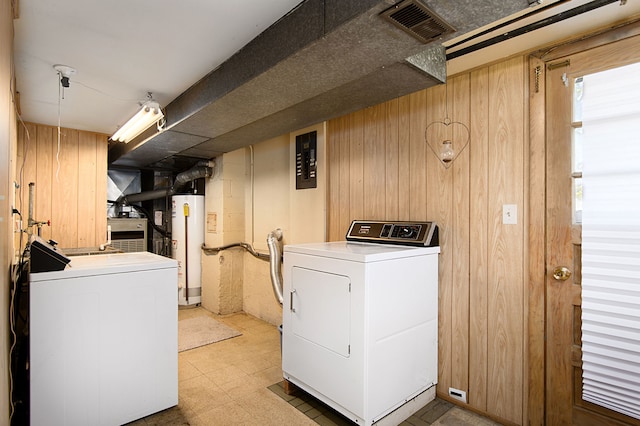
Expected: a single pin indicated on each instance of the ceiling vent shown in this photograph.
(417, 20)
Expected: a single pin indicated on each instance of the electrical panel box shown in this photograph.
(306, 157)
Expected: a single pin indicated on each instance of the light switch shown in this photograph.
(509, 214)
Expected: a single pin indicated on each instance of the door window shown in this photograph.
(610, 148)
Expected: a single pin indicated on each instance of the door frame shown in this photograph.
(535, 373)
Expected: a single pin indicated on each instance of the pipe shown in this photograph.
(192, 174)
(144, 196)
(246, 246)
(203, 169)
(30, 220)
(103, 247)
(274, 241)
(186, 251)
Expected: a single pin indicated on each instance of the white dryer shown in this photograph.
(360, 320)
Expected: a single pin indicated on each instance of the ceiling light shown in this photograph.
(149, 114)
(65, 73)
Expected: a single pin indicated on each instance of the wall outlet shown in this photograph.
(509, 214)
(458, 394)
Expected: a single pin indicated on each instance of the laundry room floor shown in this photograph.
(238, 382)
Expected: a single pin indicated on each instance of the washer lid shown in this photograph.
(102, 264)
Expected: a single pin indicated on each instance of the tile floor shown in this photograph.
(227, 383)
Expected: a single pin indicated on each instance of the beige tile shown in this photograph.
(207, 360)
(239, 321)
(186, 370)
(227, 374)
(225, 383)
(201, 394)
(254, 364)
(230, 414)
(242, 386)
(268, 376)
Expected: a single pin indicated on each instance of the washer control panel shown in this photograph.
(402, 233)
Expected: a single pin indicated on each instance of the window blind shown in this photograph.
(611, 240)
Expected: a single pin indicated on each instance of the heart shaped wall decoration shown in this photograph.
(447, 139)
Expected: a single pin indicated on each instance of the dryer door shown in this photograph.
(320, 308)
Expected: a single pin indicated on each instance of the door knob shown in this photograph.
(561, 273)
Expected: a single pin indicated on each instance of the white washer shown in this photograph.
(360, 325)
(103, 336)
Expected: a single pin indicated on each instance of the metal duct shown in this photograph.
(200, 170)
(324, 59)
(274, 242)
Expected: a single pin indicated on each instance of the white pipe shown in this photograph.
(108, 243)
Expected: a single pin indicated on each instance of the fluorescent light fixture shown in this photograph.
(149, 114)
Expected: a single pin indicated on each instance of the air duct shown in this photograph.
(324, 59)
(274, 242)
(203, 169)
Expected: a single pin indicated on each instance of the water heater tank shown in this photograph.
(187, 235)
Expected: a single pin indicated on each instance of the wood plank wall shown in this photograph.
(70, 183)
(381, 168)
(8, 138)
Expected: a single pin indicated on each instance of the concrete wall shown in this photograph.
(224, 224)
(252, 193)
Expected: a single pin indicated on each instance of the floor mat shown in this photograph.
(202, 330)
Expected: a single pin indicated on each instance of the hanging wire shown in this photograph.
(60, 97)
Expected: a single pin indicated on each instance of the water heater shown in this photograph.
(187, 237)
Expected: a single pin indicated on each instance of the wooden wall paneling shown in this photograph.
(458, 90)
(478, 227)
(64, 215)
(87, 190)
(102, 149)
(481, 265)
(26, 166)
(27, 153)
(404, 157)
(392, 182)
(46, 142)
(74, 191)
(534, 383)
(417, 161)
(356, 165)
(438, 192)
(25, 173)
(374, 172)
(506, 328)
(332, 150)
(338, 170)
(345, 179)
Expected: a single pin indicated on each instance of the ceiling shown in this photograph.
(232, 73)
(123, 49)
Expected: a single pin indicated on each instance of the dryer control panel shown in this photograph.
(401, 233)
